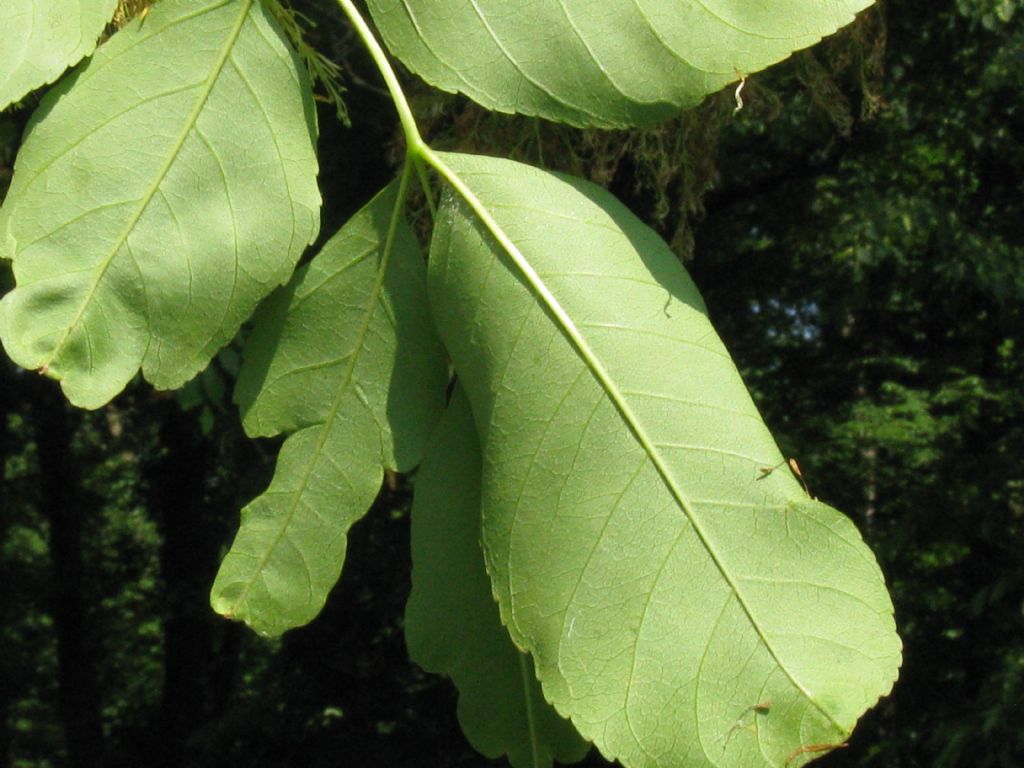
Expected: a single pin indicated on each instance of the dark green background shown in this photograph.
(858, 233)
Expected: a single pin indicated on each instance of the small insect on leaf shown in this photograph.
(739, 91)
(741, 724)
(809, 748)
(800, 476)
(765, 471)
(762, 708)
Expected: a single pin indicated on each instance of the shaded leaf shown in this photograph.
(613, 63)
(153, 206)
(39, 39)
(347, 360)
(451, 622)
(685, 604)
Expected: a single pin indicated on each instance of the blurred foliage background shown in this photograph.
(858, 232)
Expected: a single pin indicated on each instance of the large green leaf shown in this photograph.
(685, 604)
(347, 360)
(39, 39)
(161, 192)
(608, 63)
(451, 621)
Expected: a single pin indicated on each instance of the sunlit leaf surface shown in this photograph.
(345, 358)
(451, 621)
(39, 39)
(607, 63)
(161, 192)
(685, 601)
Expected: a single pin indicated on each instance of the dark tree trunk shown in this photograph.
(6, 614)
(64, 503)
(177, 486)
(225, 669)
(5, 733)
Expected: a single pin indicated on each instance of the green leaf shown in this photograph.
(347, 360)
(685, 603)
(153, 206)
(612, 63)
(451, 622)
(42, 38)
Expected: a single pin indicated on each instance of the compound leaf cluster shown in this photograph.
(607, 545)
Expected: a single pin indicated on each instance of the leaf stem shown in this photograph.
(414, 143)
(421, 172)
(531, 718)
(522, 264)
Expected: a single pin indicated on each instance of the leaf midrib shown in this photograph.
(190, 123)
(615, 394)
